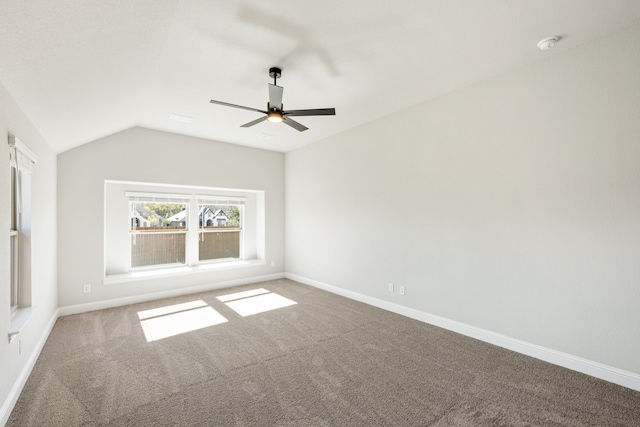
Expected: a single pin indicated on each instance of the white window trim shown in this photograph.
(27, 154)
(229, 201)
(22, 159)
(179, 199)
(156, 273)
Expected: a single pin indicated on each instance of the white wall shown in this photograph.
(512, 205)
(143, 155)
(43, 246)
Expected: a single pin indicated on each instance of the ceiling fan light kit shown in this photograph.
(275, 116)
(275, 111)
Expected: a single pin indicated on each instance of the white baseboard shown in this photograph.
(608, 373)
(12, 398)
(135, 299)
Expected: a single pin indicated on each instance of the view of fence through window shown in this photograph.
(160, 232)
(219, 234)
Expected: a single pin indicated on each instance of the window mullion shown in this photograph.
(192, 232)
(241, 243)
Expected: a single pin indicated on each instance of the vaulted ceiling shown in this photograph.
(84, 69)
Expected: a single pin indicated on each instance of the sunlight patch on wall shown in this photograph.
(254, 302)
(178, 319)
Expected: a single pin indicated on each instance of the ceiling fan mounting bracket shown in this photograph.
(275, 73)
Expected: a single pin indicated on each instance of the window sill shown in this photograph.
(135, 276)
(18, 321)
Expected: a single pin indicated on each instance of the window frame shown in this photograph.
(169, 198)
(192, 231)
(21, 167)
(14, 241)
(202, 230)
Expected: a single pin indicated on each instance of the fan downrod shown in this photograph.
(275, 73)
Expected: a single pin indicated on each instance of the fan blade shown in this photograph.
(254, 122)
(294, 124)
(275, 96)
(313, 112)
(226, 104)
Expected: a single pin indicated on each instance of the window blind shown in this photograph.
(220, 200)
(23, 159)
(20, 156)
(157, 197)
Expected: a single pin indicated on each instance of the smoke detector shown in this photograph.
(548, 43)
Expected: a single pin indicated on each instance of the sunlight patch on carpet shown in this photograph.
(169, 309)
(259, 304)
(245, 294)
(164, 322)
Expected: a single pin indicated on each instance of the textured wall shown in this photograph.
(512, 205)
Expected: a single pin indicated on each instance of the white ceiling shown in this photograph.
(84, 69)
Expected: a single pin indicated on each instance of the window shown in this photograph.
(21, 161)
(158, 226)
(161, 229)
(158, 232)
(220, 231)
(13, 240)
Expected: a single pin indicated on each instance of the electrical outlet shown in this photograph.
(86, 288)
(390, 287)
(401, 290)
(13, 336)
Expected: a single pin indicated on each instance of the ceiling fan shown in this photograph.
(275, 111)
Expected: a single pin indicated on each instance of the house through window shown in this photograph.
(159, 233)
(220, 230)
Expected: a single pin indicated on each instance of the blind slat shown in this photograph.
(157, 197)
(220, 200)
(20, 156)
(183, 198)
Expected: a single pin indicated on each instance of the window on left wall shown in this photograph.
(14, 240)
(21, 162)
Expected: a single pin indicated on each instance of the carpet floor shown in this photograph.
(287, 354)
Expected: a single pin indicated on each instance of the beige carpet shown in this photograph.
(324, 361)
